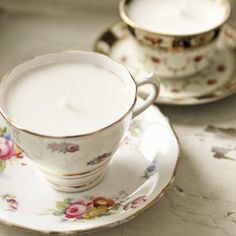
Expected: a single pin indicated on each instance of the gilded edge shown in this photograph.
(9, 122)
(214, 96)
(132, 24)
(108, 226)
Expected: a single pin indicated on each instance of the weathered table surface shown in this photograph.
(202, 200)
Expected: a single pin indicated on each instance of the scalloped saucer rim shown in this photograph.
(204, 87)
(111, 202)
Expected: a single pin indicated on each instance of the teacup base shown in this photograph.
(79, 188)
(74, 182)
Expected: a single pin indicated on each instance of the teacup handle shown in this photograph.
(152, 80)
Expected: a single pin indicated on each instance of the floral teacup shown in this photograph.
(174, 55)
(78, 162)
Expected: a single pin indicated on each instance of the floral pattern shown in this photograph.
(7, 149)
(11, 201)
(215, 82)
(99, 159)
(151, 169)
(71, 209)
(135, 203)
(169, 43)
(63, 147)
(92, 207)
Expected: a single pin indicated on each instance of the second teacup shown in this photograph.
(176, 38)
(69, 112)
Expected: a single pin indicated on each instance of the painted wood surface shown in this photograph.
(202, 200)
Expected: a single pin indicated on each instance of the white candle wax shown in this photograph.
(65, 99)
(177, 17)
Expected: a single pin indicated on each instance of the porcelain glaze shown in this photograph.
(123, 194)
(214, 83)
(174, 56)
(59, 156)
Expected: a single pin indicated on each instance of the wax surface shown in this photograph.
(66, 99)
(177, 16)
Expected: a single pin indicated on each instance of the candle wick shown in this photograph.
(64, 99)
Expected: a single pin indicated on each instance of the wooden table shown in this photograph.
(202, 201)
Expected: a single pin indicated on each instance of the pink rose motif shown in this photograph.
(135, 203)
(90, 204)
(72, 148)
(104, 156)
(75, 210)
(11, 201)
(6, 149)
(54, 146)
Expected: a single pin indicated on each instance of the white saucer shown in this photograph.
(215, 82)
(139, 174)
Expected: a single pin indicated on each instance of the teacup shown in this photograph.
(78, 161)
(175, 49)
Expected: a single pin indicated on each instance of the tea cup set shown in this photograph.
(78, 140)
(194, 67)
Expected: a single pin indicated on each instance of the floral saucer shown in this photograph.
(215, 82)
(148, 158)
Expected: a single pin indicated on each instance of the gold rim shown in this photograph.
(98, 39)
(167, 101)
(132, 24)
(8, 120)
(111, 225)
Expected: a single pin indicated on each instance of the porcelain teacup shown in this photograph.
(77, 162)
(174, 55)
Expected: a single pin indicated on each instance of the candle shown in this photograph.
(64, 98)
(178, 17)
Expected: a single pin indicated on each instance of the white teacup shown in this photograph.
(176, 38)
(78, 161)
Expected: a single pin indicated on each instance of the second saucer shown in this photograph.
(214, 83)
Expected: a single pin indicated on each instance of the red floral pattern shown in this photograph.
(63, 147)
(135, 203)
(11, 201)
(99, 159)
(81, 209)
(8, 149)
(72, 209)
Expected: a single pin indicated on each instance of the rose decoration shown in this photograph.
(135, 203)
(63, 147)
(6, 149)
(99, 159)
(76, 210)
(72, 148)
(81, 209)
(11, 201)
(102, 201)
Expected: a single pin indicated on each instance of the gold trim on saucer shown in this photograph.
(108, 226)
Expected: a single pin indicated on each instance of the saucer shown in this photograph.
(214, 83)
(147, 158)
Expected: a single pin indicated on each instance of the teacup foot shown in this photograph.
(76, 189)
(75, 183)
